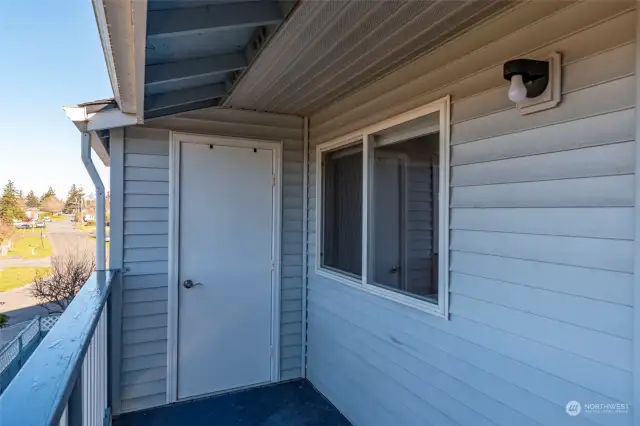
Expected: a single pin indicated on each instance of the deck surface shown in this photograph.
(287, 404)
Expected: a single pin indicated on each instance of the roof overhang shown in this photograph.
(170, 56)
(167, 57)
(122, 27)
(97, 118)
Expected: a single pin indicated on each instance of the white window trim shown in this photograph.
(441, 309)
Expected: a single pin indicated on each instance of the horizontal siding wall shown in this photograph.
(541, 240)
(146, 226)
(145, 258)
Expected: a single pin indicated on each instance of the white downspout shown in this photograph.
(100, 198)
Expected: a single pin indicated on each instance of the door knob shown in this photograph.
(189, 284)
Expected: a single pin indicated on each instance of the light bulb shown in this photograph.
(517, 90)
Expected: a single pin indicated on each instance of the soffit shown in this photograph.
(196, 49)
(329, 49)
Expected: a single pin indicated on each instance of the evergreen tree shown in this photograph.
(32, 200)
(22, 203)
(50, 193)
(74, 200)
(10, 203)
(70, 203)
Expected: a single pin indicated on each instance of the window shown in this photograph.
(384, 207)
(342, 212)
(403, 208)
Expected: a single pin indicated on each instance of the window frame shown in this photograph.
(365, 136)
(321, 150)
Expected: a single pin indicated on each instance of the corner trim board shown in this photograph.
(174, 249)
(116, 249)
(305, 243)
(635, 403)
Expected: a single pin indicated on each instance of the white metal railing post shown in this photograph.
(100, 201)
(94, 373)
(64, 419)
(75, 415)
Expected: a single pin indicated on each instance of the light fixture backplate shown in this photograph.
(550, 98)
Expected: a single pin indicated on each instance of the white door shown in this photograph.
(225, 250)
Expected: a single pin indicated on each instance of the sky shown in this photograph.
(50, 56)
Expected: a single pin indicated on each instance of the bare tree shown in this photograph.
(90, 207)
(69, 273)
(6, 231)
(51, 205)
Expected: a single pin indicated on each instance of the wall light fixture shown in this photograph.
(535, 84)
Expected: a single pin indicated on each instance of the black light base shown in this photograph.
(535, 74)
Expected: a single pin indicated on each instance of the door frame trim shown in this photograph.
(176, 138)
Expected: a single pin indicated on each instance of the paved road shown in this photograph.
(18, 303)
(64, 237)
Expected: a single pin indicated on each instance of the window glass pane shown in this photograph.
(404, 213)
(342, 210)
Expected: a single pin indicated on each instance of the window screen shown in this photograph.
(342, 215)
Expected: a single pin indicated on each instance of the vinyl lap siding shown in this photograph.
(291, 272)
(146, 228)
(146, 201)
(541, 240)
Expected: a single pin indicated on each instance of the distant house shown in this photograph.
(32, 213)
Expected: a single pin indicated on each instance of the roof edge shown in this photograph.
(98, 118)
(122, 30)
(88, 119)
(105, 41)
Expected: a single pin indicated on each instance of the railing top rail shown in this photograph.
(38, 394)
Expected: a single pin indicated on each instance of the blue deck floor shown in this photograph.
(287, 404)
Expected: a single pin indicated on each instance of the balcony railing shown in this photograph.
(15, 353)
(64, 382)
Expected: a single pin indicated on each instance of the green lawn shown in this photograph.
(91, 227)
(31, 247)
(32, 231)
(15, 277)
